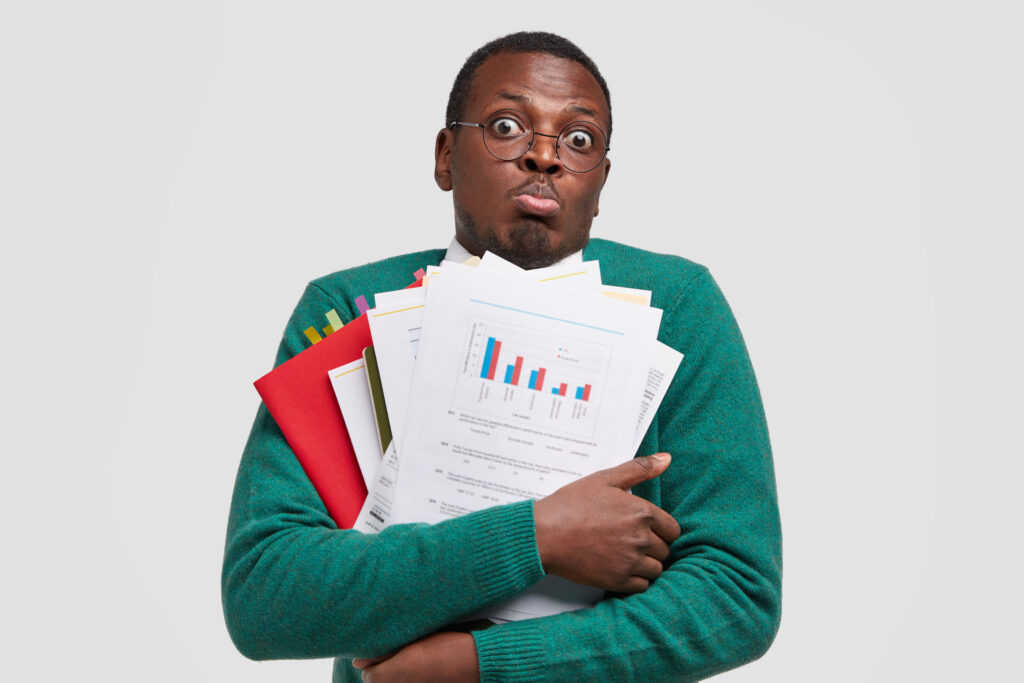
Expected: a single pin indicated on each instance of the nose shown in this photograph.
(542, 155)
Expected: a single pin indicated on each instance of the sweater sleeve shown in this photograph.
(717, 605)
(296, 586)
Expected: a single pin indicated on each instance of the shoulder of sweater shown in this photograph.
(625, 261)
(385, 275)
(664, 274)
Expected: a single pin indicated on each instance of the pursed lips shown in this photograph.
(537, 199)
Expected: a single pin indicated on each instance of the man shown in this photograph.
(692, 556)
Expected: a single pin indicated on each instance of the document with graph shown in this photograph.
(518, 390)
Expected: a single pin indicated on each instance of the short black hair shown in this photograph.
(523, 41)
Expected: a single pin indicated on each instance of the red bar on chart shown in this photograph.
(494, 360)
(586, 392)
(519, 369)
(540, 379)
(562, 388)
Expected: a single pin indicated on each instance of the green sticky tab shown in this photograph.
(334, 319)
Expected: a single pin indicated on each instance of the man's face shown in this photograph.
(532, 211)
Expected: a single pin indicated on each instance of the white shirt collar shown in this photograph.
(458, 253)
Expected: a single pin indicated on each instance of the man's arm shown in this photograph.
(591, 531)
(717, 604)
(296, 586)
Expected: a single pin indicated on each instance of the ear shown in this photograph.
(443, 159)
(606, 170)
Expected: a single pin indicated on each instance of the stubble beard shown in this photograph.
(528, 244)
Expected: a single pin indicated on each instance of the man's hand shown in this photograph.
(441, 657)
(595, 533)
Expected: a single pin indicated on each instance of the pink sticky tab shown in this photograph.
(420, 273)
(362, 305)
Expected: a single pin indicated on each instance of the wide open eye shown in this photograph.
(579, 140)
(506, 127)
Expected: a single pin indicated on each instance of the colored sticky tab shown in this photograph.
(626, 296)
(328, 330)
(559, 277)
(361, 304)
(420, 273)
(334, 319)
(313, 335)
(472, 261)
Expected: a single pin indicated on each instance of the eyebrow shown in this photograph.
(523, 99)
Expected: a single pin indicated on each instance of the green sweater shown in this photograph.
(295, 586)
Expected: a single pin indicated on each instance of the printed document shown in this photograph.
(520, 389)
(353, 394)
(395, 328)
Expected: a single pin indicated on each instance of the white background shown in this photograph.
(172, 173)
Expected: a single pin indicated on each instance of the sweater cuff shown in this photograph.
(508, 561)
(510, 652)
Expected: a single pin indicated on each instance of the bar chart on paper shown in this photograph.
(532, 377)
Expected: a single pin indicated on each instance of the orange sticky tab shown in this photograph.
(313, 335)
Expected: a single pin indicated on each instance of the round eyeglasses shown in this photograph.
(508, 135)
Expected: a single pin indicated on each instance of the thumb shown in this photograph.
(637, 470)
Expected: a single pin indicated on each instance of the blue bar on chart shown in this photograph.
(485, 370)
(533, 379)
(579, 393)
(508, 373)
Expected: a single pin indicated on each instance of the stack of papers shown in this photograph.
(500, 385)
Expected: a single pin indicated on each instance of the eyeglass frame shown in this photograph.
(533, 137)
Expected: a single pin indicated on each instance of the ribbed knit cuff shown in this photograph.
(510, 652)
(508, 561)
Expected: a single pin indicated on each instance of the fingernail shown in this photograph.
(662, 457)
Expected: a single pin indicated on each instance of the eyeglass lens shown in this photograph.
(508, 135)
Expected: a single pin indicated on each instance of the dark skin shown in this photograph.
(592, 531)
(552, 92)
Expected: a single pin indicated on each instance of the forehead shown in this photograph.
(539, 84)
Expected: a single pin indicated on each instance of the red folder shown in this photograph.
(298, 393)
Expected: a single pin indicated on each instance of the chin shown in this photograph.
(527, 243)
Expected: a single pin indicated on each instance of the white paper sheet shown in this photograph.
(553, 594)
(584, 276)
(395, 329)
(353, 394)
(489, 422)
(476, 438)
(664, 363)
(375, 514)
